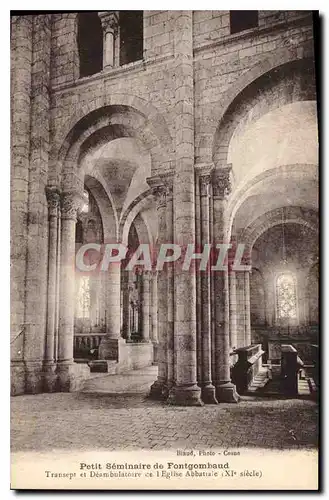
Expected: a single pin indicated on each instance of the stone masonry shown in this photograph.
(182, 103)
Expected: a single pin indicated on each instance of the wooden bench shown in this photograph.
(291, 364)
(247, 367)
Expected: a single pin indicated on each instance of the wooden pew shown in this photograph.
(248, 365)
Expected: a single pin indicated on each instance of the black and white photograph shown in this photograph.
(164, 249)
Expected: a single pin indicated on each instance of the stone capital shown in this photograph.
(204, 177)
(205, 180)
(110, 21)
(158, 190)
(221, 182)
(71, 204)
(53, 198)
(168, 181)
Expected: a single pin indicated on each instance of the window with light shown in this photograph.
(286, 297)
(83, 297)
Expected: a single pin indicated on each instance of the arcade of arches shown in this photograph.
(120, 176)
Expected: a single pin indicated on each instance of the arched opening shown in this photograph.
(131, 36)
(286, 298)
(90, 306)
(241, 20)
(90, 43)
(113, 159)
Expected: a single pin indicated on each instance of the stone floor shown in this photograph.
(113, 413)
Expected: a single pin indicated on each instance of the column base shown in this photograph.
(109, 348)
(71, 376)
(17, 378)
(33, 377)
(50, 377)
(208, 394)
(185, 396)
(226, 393)
(158, 391)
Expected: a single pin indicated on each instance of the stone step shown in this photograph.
(260, 380)
(103, 366)
(312, 385)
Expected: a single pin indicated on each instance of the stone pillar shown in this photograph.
(21, 62)
(109, 22)
(207, 388)
(146, 306)
(109, 346)
(240, 311)
(58, 277)
(186, 390)
(53, 197)
(70, 204)
(169, 274)
(247, 308)
(233, 311)
(198, 280)
(159, 388)
(113, 286)
(225, 390)
(125, 306)
(154, 307)
(37, 237)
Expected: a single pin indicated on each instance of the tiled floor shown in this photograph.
(99, 419)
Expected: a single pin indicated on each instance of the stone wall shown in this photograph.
(301, 246)
(48, 99)
(220, 59)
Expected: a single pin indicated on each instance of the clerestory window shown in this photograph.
(90, 43)
(286, 297)
(241, 20)
(131, 36)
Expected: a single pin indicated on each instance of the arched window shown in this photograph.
(131, 36)
(90, 43)
(85, 208)
(83, 297)
(241, 20)
(286, 297)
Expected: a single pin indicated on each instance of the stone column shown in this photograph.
(186, 390)
(233, 311)
(225, 390)
(110, 343)
(154, 307)
(37, 237)
(146, 306)
(247, 307)
(109, 22)
(53, 198)
(20, 103)
(125, 306)
(58, 277)
(70, 204)
(169, 273)
(207, 388)
(240, 311)
(198, 280)
(159, 388)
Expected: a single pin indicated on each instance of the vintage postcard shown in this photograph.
(164, 250)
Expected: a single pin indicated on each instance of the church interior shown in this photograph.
(148, 132)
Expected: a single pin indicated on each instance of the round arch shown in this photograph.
(296, 215)
(105, 206)
(293, 80)
(298, 172)
(124, 115)
(127, 218)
